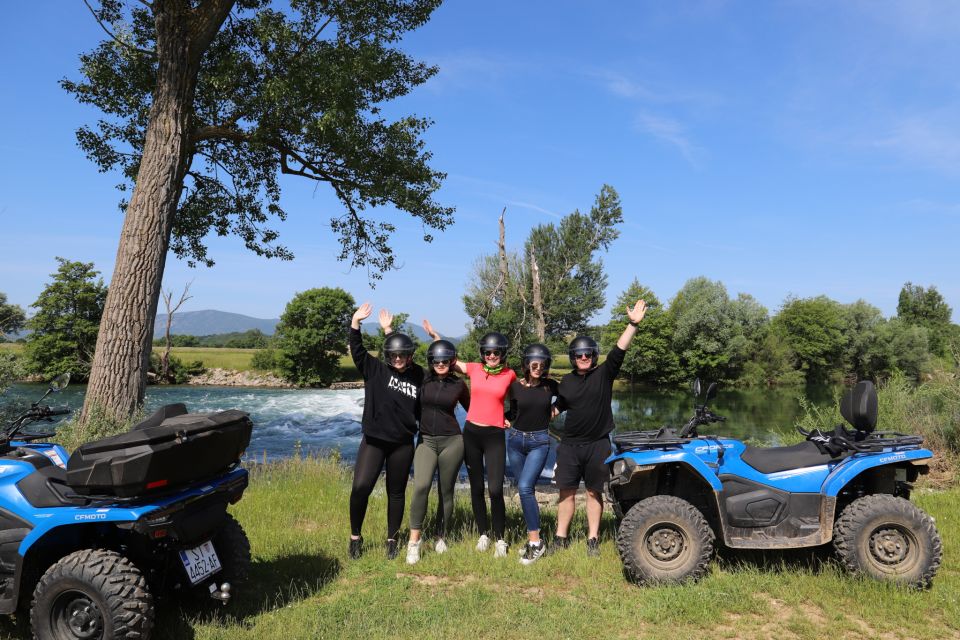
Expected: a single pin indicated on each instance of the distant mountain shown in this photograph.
(211, 322)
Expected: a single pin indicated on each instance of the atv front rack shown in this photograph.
(651, 439)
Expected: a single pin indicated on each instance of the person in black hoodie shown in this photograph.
(389, 424)
(585, 394)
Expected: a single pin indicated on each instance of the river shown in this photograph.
(322, 420)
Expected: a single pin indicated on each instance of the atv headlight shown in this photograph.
(619, 466)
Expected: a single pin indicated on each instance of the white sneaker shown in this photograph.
(441, 546)
(531, 552)
(413, 552)
(501, 549)
(483, 543)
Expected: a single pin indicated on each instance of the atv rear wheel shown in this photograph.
(664, 539)
(888, 538)
(233, 549)
(93, 594)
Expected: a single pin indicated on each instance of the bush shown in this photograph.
(179, 372)
(311, 336)
(264, 360)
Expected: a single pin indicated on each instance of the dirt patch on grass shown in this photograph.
(438, 581)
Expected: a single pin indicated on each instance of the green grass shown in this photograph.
(15, 347)
(304, 586)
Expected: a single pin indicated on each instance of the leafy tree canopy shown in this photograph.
(927, 308)
(12, 318)
(64, 329)
(814, 329)
(294, 91)
(311, 336)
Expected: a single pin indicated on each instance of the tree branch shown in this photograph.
(113, 37)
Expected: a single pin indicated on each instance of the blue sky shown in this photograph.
(783, 148)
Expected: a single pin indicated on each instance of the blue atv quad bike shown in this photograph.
(676, 493)
(91, 539)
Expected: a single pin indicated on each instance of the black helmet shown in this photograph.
(494, 341)
(397, 343)
(441, 350)
(583, 344)
(537, 352)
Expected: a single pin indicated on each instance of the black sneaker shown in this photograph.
(356, 548)
(391, 549)
(532, 551)
(593, 547)
(559, 542)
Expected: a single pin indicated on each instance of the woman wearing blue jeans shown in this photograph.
(531, 408)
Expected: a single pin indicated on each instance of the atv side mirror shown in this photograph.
(695, 387)
(60, 383)
(712, 391)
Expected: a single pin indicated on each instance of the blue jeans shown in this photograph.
(527, 451)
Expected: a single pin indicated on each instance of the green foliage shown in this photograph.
(814, 329)
(650, 358)
(572, 280)
(250, 339)
(11, 368)
(178, 372)
(773, 362)
(928, 309)
(264, 360)
(703, 328)
(311, 336)
(296, 90)
(12, 318)
(64, 328)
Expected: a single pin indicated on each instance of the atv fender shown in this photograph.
(853, 466)
(633, 460)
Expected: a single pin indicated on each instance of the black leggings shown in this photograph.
(371, 456)
(486, 444)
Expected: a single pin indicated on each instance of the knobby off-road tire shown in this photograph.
(93, 594)
(888, 538)
(664, 539)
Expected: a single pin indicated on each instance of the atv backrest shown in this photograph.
(859, 406)
(161, 414)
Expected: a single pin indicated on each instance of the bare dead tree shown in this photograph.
(167, 301)
(541, 323)
(502, 252)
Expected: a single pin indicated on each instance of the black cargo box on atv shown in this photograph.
(160, 454)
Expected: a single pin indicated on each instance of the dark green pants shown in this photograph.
(445, 452)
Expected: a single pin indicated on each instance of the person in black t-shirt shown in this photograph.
(585, 394)
(528, 442)
(389, 422)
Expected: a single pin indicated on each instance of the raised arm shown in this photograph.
(386, 321)
(357, 350)
(460, 366)
(635, 315)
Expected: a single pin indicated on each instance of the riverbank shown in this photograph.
(304, 586)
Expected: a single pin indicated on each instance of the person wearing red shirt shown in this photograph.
(484, 444)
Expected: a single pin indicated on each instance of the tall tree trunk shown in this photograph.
(118, 375)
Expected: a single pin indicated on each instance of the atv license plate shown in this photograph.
(200, 562)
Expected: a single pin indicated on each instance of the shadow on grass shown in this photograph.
(811, 559)
(273, 584)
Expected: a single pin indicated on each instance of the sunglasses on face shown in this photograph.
(397, 356)
(487, 354)
(537, 364)
(441, 363)
(584, 356)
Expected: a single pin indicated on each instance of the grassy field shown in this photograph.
(304, 586)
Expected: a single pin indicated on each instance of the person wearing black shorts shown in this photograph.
(585, 394)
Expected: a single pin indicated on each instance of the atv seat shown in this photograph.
(798, 456)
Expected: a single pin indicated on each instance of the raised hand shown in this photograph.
(386, 320)
(429, 329)
(362, 313)
(639, 310)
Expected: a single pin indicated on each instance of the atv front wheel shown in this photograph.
(888, 538)
(664, 539)
(93, 594)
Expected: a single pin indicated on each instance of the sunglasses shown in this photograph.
(491, 352)
(536, 364)
(441, 363)
(584, 356)
(397, 355)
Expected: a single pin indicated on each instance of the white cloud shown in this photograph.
(671, 132)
